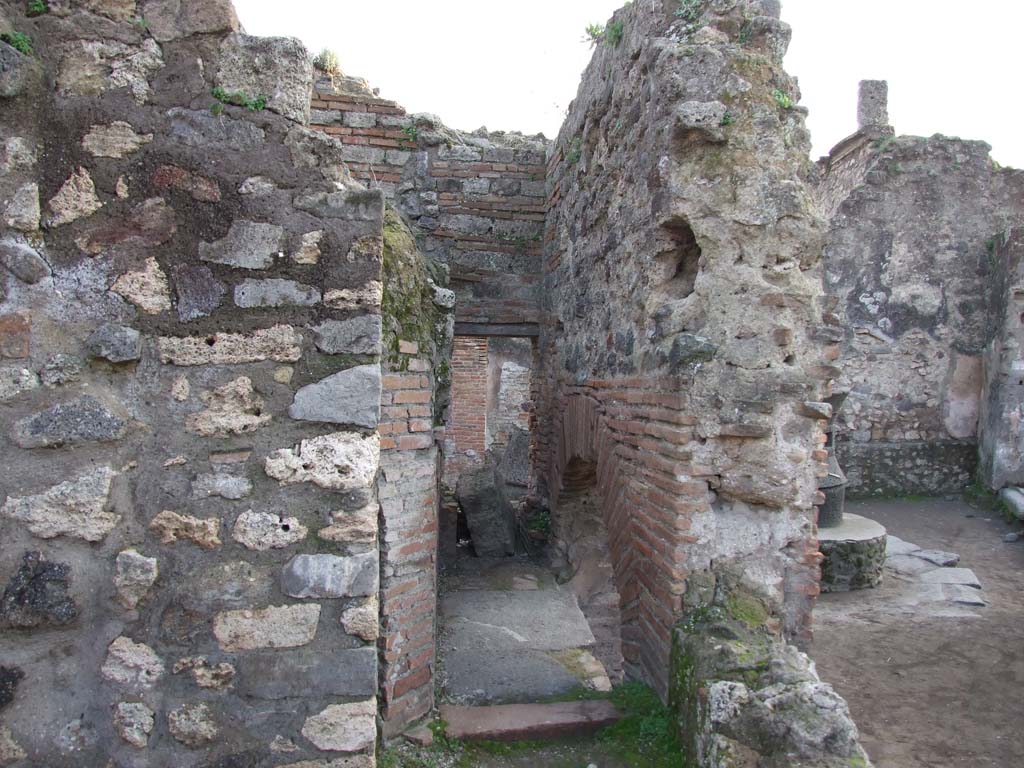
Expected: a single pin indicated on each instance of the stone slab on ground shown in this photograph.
(894, 545)
(938, 557)
(964, 576)
(527, 722)
(504, 676)
(542, 620)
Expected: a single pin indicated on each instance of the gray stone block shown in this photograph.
(115, 343)
(300, 674)
(355, 336)
(275, 292)
(247, 245)
(351, 396)
(23, 261)
(79, 421)
(326, 576)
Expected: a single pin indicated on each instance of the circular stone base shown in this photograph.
(854, 554)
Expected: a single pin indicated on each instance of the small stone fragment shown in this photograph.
(151, 223)
(275, 293)
(15, 335)
(173, 527)
(222, 484)
(261, 531)
(216, 677)
(343, 727)
(351, 396)
(131, 664)
(37, 595)
(192, 725)
(247, 245)
(121, 188)
(23, 261)
(74, 200)
(363, 621)
(134, 722)
(180, 389)
(277, 626)
(329, 576)
(367, 296)
(199, 292)
(281, 343)
(283, 374)
(115, 140)
(23, 211)
(355, 336)
(199, 187)
(341, 461)
(134, 575)
(75, 422)
(233, 409)
(256, 185)
(16, 153)
(359, 527)
(115, 343)
(1010, 538)
(146, 288)
(309, 249)
(15, 380)
(73, 508)
(60, 370)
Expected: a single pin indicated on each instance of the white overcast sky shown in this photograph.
(953, 67)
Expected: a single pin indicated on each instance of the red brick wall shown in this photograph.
(408, 493)
(466, 434)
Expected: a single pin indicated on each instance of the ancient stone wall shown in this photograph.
(909, 269)
(681, 338)
(466, 436)
(1002, 407)
(191, 387)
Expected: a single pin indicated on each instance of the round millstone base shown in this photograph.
(854, 554)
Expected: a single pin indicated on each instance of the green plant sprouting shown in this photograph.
(575, 151)
(613, 33)
(782, 99)
(689, 10)
(727, 119)
(19, 41)
(327, 61)
(599, 33)
(141, 23)
(37, 8)
(239, 99)
(411, 133)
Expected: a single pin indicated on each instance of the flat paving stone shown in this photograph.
(958, 593)
(908, 565)
(964, 576)
(527, 722)
(543, 620)
(894, 545)
(937, 557)
(504, 676)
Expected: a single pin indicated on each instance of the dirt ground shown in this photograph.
(928, 690)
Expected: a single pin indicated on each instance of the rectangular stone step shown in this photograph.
(528, 722)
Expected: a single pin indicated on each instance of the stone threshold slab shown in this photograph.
(528, 722)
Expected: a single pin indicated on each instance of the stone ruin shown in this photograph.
(252, 317)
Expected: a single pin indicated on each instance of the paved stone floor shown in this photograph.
(510, 634)
(931, 680)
